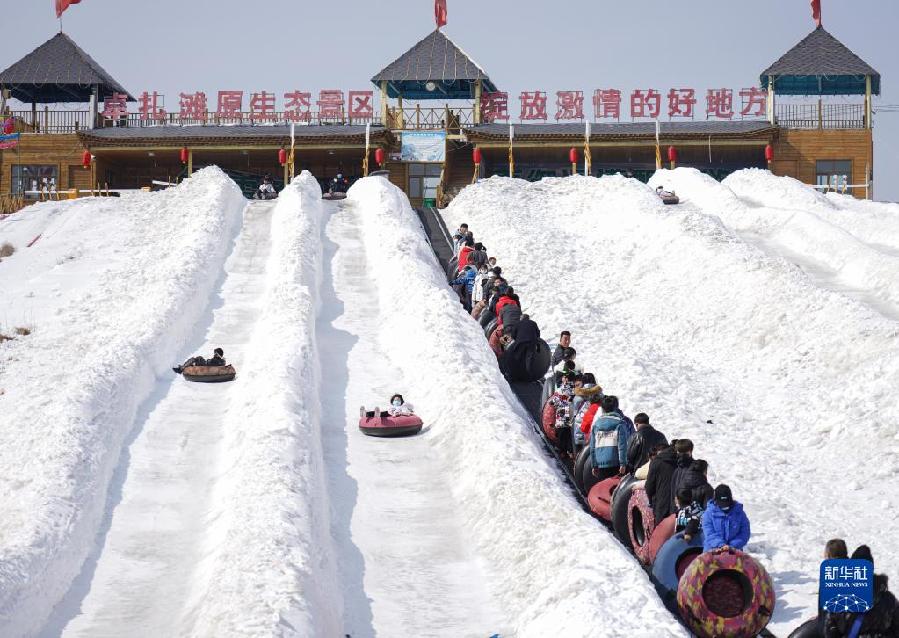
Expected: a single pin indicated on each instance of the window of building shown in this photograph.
(833, 173)
(32, 179)
(424, 180)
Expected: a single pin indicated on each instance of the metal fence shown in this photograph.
(821, 116)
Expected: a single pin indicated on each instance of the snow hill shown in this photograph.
(757, 318)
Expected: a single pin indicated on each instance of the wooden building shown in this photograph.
(434, 86)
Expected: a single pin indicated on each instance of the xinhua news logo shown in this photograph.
(847, 586)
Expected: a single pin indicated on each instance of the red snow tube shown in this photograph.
(209, 374)
(725, 594)
(640, 522)
(389, 426)
(600, 498)
(549, 422)
(660, 536)
(493, 340)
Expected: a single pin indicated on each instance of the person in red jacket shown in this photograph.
(463, 254)
(508, 298)
(590, 414)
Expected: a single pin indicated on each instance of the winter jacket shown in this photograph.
(689, 518)
(510, 316)
(525, 331)
(608, 441)
(683, 465)
(466, 277)
(583, 394)
(558, 355)
(216, 361)
(463, 255)
(641, 443)
(881, 621)
(642, 472)
(589, 417)
(480, 286)
(720, 528)
(658, 482)
(694, 480)
(477, 258)
(504, 301)
(403, 410)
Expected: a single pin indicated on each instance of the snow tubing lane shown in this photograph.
(620, 501)
(640, 522)
(673, 559)
(209, 374)
(726, 594)
(390, 426)
(600, 498)
(548, 421)
(578, 471)
(660, 536)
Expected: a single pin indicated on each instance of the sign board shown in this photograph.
(424, 146)
(9, 141)
(846, 586)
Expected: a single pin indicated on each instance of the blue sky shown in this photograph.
(281, 45)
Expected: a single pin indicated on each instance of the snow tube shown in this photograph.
(390, 426)
(725, 594)
(673, 559)
(548, 421)
(493, 340)
(600, 498)
(660, 536)
(640, 522)
(490, 326)
(209, 374)
(452, 267)
(578, 470)
(486, 317)
(669, 198)
(808, 629)
(549, 387)
(620, 500)
(526, 361)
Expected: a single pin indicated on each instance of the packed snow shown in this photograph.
(111, 291)
(550, 568)
(702, 316)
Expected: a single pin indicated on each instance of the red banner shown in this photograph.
(440, 12)
(62, 5)
(816, 11)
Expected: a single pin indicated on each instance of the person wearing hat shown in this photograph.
(218, 359)
(724, 523)
(644, 439)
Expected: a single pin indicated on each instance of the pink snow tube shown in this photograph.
(725, 593)
(493, 340)
(660, 536)
(600, 498)
(640, 522)
(390, 426)
(548, 421)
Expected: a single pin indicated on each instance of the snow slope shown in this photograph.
(111, 291)
(551, 568)
(786, 386)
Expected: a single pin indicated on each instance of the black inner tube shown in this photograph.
(727, 593)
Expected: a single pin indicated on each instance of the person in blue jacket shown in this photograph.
(608, 441)
(466, 277)
(724, 523)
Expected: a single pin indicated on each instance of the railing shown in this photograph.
(417, 118)
(821, 116)
(47, 121)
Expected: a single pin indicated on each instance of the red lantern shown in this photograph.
(672, 154)
(769, 153)
(282, 156)
(476, 155)
(86, 159)
(184, 155)
(379, 156)
(9, 126)
(572, 156)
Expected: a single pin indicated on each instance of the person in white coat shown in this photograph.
(399, 407)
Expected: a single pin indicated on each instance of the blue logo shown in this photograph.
(847, 586)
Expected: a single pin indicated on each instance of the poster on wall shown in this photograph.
(9, 141)
(429, 146)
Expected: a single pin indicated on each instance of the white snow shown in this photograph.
(551, 569)
(111, 290)
(701, 312)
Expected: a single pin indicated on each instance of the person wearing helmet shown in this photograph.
(339, 184)
(217, 360)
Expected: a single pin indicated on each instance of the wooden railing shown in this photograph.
(821, 116)
(47, 121)
(418, 118)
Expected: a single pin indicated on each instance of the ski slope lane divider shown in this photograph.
(553, 570)
(73, 388)
(272, 570)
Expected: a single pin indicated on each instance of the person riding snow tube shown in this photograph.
(667, 197)
(398, 420)
(599, 499)
(725, 593)
(213, 370)
(640, 522)
(672, 560)
(266, 189)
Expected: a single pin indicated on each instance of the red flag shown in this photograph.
(62, 5)
(816, 11)
(440, 12)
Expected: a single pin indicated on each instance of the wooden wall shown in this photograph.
(62, 150)
(797, 151)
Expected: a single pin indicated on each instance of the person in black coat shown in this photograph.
(658, 482)
(684, 452)
(559, 354)
(644, 439)
(218, 359)
(525, 331)
(695, 480)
